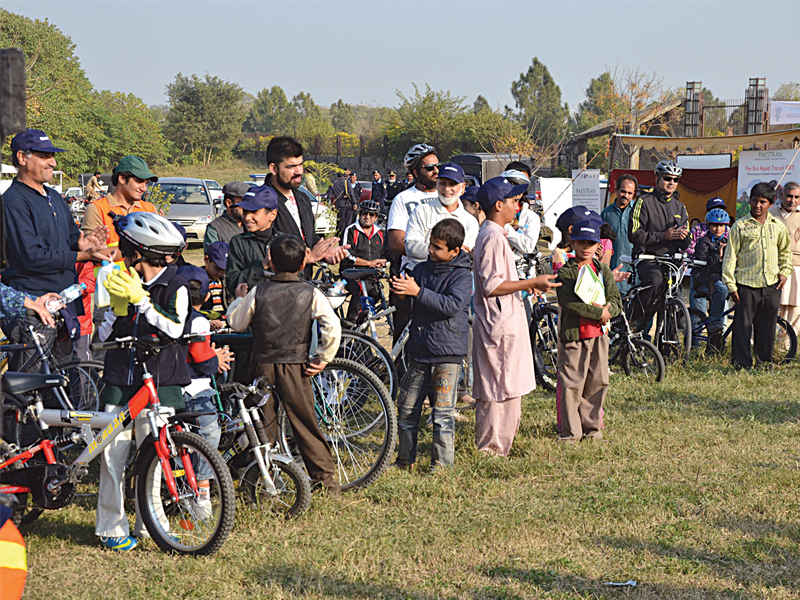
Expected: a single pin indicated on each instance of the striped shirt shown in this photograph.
(756, 254)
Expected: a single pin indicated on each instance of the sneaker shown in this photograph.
(119, 544)
(201, 507)
(403, 466)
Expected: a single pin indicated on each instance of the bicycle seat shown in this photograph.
(355, 274)
(21, 383)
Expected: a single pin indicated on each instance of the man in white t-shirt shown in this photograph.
(449, 187)
(421, 162)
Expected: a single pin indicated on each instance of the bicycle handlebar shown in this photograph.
(153, 344)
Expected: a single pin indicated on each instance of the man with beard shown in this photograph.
(295, 215)
(423, 165)
(393, 187)
(229, 223)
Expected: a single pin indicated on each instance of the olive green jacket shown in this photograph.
(573, 308)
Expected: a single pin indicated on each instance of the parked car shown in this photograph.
(366, 190)
(214, 189)
(191, 205)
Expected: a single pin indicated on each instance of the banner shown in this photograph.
(556, 198)
(784, 113)
(586, 189)
(777, 167)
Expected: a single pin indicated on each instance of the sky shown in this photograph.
(363, 51)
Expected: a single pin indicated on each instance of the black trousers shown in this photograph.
(756, 316)
(652, 280)
(373, 291)
(401, 316)
(18, 333)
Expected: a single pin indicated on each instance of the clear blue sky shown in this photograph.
(361, 51)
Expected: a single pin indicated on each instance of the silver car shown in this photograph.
(192, 204)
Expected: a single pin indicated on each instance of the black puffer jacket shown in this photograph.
(439, 322)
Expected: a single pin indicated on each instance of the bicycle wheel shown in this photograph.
(544, 340)
(85, 386)
(785, 347)
(188, 526)
(643, 362)
(292, 484)
(357, 418)
(675, 338)
(363, 350)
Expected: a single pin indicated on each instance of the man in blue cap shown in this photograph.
(42, 239)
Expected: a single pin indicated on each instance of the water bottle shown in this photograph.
(101, 296)
(70, 294)
(338, 288)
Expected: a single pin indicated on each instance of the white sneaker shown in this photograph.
(201, 507)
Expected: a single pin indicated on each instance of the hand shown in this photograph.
(126, 285)
(224, 357)
(97, 254)
(781, 282)
(98, 237)
(119, 305)
(735, 297)
(241, 290)
(405, 285)
(37, 306)
(378, 263)
(673, 233)
(606, 316)
(315, 367)
(620, 276)
(321, 249)
(544, 283)
(216, 324)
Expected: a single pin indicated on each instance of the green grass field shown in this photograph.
(695, 495)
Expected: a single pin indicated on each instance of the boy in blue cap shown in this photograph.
(583, 344)
(216, 263)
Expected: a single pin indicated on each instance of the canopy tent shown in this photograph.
(719, 143)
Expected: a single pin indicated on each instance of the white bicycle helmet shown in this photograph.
(151, 234)
(370, 206)
(516, 177)
(668, 167)
(415, 153)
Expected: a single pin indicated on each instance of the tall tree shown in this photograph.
(343, 117)
(538, 103)
(271, 112)
(481, 104)
(205, 115)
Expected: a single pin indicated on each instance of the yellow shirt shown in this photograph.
(756, 254)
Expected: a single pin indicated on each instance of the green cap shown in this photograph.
(137, 166)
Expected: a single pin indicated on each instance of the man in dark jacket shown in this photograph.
(378, 192)
(441, 289)
(659, 225)
(393, 187)
(229, 223)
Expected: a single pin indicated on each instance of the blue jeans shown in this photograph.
(700, 304)
(718, 297)
(207, 424)
(440, 381)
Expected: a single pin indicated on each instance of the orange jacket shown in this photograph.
(103, 207)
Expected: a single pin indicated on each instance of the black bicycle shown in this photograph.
(638, 357)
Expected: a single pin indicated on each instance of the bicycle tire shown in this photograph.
(784, 349)
(158, 511)
(700, 332)
(645, 362)
(291, 482)
(544, 341)
(675, 332)
(357, 418)
(85, 385)
(366, 351)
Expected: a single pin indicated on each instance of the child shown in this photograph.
(365, 239)
(216, 261)
(280, 312)
(470, 201)
(147, 298)
(607, 238)
(204, 363)
(501, 350)
(441, 289)
(757, 262)
(707, 281)
(583, 345)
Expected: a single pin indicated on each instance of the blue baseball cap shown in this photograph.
(35, 140)
(715, 202)
(586, 229)
(574, 214)
(470, 193)
(452, 171)
(191, 273)
(218, 254)
(497, 189)
(181, 229)
(259, 197)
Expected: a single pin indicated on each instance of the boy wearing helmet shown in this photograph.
(707, 281)
(147, 297)
(365, 239)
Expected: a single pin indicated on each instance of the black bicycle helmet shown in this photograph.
(151, 234)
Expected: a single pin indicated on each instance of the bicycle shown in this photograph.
(673, 335)
(543, 325)
(167, 491)
(368, 315)
(784, 349)
(638, 357)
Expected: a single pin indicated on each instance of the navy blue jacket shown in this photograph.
(440, 317)
(42, 247)
(707, 249)
(378, 193)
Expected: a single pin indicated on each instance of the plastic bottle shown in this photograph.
(70, 294)
(101, 296)
(338, 288)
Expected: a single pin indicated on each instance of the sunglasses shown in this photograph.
(670, 179)
(430, 168)
(369, 214)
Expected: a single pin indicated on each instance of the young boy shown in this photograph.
(365, 239)
(216, 261)
(707, 281)
(501, 349)
(280, 312)
(147, 297)
(441, 289)
(583, 345)
(757, 262)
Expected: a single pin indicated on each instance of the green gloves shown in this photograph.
(125, 286)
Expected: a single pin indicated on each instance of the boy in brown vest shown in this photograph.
(281, 312)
